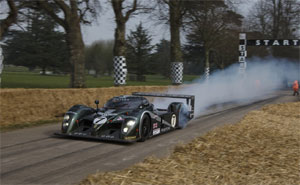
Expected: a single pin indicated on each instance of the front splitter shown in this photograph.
(95, 138)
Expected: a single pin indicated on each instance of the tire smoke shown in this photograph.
(263, 76)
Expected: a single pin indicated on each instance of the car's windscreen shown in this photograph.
(123, 103)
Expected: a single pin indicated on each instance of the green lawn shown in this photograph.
(35, 80)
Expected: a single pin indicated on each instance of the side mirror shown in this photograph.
(97, 103)
(145, 103)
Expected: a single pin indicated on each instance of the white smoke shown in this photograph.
(263, 76)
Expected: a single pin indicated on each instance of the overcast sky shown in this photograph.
(104, 30)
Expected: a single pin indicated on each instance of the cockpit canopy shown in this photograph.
(126, 102)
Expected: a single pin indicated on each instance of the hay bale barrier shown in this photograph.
(263, 148)
(19, 106)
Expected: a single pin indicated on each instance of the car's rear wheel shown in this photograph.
(145, 128)
(179, 117)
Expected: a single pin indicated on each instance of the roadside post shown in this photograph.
(242, 54)
(177, 73)
(1, 61)
(120, 70)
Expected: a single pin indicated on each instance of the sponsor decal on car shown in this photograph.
(155, 125)
(156, 131)
(80, 134)
(165, 129)
(107, 113)
(107, 136)
(130, 137)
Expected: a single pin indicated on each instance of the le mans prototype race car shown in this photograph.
(127, 118)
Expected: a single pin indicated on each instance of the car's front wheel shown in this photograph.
(145, 128)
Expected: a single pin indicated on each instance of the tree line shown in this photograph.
(210, 29)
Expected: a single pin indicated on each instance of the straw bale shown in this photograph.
(18, 106)
(263, 148)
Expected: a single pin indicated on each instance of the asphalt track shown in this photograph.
(35, 156)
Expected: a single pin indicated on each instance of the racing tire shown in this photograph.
(178, 109)
(183, 118)
(145, 128)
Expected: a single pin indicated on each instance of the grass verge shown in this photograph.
(35, 80)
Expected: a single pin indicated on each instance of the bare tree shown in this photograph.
(4, 25)
(209, 24)
(275, 18)
(73, 13)
(121, 19)
(174, 18)
(176, 12)
(10, 19)
(123, 11)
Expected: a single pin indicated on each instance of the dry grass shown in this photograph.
(19, 106)
(263, 148)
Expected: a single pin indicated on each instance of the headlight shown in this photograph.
(130, 123)
(65, 124)
(125, 129)
(66, 117)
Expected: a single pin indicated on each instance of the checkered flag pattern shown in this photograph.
(120, 70)
(176, 72)
(207, 73)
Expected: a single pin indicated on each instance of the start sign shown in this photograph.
(244, 42)
(266, 42)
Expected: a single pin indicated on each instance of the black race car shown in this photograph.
(127, 118)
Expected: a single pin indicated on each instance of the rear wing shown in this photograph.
(190, 99)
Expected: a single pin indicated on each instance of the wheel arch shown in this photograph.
(176, 105)
(76, 112)
(147, 113)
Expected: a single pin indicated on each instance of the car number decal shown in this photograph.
(100, 121)
(173, 121)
